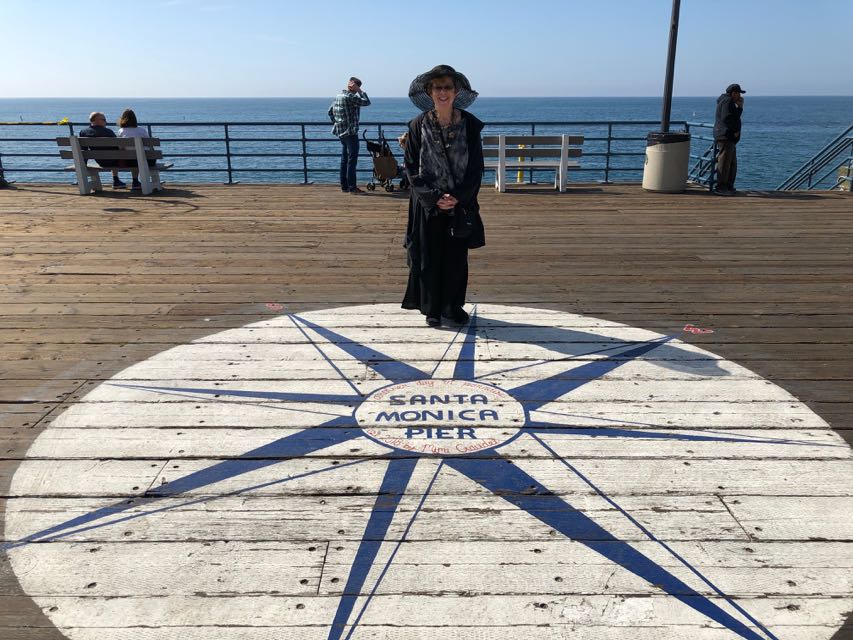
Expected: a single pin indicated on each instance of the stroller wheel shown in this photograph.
(370, 186)
(389, 188)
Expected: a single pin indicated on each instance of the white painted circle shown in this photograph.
(267, 554)
(441, 417)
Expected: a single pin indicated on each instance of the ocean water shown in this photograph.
(779, 133)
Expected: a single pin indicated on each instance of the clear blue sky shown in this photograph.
(258, 48)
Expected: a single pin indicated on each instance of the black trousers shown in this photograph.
(440, 288)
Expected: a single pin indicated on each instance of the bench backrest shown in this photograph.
(534, 146)
(108, 148)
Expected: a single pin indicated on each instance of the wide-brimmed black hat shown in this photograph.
(418, 94)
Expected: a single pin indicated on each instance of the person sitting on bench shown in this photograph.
(98, 129)
(130, 129)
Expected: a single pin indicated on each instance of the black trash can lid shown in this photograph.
(669, 137)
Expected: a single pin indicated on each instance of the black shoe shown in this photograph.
(459, 316)
(136, 185)
(356, 190)
(118, 184)
(433, 322)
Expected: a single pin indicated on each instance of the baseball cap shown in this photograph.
(734, 87)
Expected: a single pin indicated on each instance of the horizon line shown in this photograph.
(486, 97)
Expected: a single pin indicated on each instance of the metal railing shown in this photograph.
(703, 163)
(825, 163)
(304, 151)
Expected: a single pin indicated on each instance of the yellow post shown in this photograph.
(519, 179)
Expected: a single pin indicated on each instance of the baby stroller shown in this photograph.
(385, 167)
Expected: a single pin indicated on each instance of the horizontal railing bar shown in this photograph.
(613, 153)
(396, 123)
(208, 170)
(33, 170)
(192, 139)
(51, 140)
(281, 155)
(251, 155)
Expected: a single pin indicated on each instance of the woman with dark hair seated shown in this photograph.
(130, 129)
(444, 162)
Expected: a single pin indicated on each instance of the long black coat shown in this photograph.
(438, 267)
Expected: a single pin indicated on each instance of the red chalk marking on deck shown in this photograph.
(689, 328)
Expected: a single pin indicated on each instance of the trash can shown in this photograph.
(667, 158)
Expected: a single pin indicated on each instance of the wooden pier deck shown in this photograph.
(92, 285)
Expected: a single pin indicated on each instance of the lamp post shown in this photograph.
(667, 154)
(670, 67)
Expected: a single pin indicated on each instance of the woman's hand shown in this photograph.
(446, 202)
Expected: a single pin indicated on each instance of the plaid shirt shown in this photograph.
(345, 111)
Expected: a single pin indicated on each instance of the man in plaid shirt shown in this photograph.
(344, 112)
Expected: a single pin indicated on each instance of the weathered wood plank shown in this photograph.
(424, 610)
(62, 442)
(768, 477)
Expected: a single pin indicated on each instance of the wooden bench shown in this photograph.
(88, 171)
(540, 152)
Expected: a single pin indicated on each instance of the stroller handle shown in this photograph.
(380, 139)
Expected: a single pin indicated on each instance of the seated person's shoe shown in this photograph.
(136, 185)
(118, 184)
(433, 322)
(459, 316)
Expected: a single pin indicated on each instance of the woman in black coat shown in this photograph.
(444, 163)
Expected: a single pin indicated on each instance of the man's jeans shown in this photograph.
(349, 159)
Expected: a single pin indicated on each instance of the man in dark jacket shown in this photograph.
(727, 134)
(98, 129)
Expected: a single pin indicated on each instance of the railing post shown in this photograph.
(71, 133)
(228, 154)
(3, 182)
(712, 176)
(530, 171)
(304, 157)
(607, 157)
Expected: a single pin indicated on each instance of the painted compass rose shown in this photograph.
(185, 492)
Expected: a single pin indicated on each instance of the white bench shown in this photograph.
(540, 152)
(88, 171)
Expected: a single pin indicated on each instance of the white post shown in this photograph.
(80, 166)
(500, 177)
(564, 162)
(142, 161)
